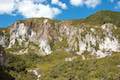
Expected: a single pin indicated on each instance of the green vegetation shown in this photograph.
(60, 44)
(36, 22)
(54, 67)
(99, 18)
(18, 65)
(104, 16)
(93, 69)
(116, 33)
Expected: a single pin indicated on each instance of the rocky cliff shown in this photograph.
(44, 36)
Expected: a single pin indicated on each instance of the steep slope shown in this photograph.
(73, 48)
(44, 36)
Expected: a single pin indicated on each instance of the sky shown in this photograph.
(12, 10)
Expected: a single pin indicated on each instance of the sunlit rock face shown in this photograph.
(109, 42)
(47, 36)
(23, 35)
(18, 34)
(44, 46)
(98, 41)
(3, 40)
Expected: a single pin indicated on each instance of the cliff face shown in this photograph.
(44, 36)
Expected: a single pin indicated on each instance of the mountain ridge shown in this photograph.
(86, 20)
(46, 35)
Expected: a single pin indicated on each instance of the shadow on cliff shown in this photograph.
(3, 70)
(4, 75)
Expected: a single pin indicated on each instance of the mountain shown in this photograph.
(102, 17)
(97, 36)
(45, 36)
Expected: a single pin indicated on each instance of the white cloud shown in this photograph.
(88, 3)
(6, 6)
(54, 1)
(59, 3)
(92, 3)
(76, 2)
(28, 8)
(118, 5)
(62, 5)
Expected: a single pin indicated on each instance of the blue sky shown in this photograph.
(12, 10)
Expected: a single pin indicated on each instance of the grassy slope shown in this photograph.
(102, 17)
(99, 18)
(19, 64)
(94, 69)
(54, 67)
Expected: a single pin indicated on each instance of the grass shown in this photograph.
(54, 67)
(20, 63)
(104, 16)
(53, 59)
(95, 69)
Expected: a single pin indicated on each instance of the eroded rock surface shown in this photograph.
(41, 37)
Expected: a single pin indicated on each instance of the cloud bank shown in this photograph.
(28, 8)
(45, 8)
(7, 6)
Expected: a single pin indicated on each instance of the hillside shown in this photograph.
(96, 69)
(42, 48)
(102, 17)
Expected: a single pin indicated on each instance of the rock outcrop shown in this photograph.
(43, 36)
